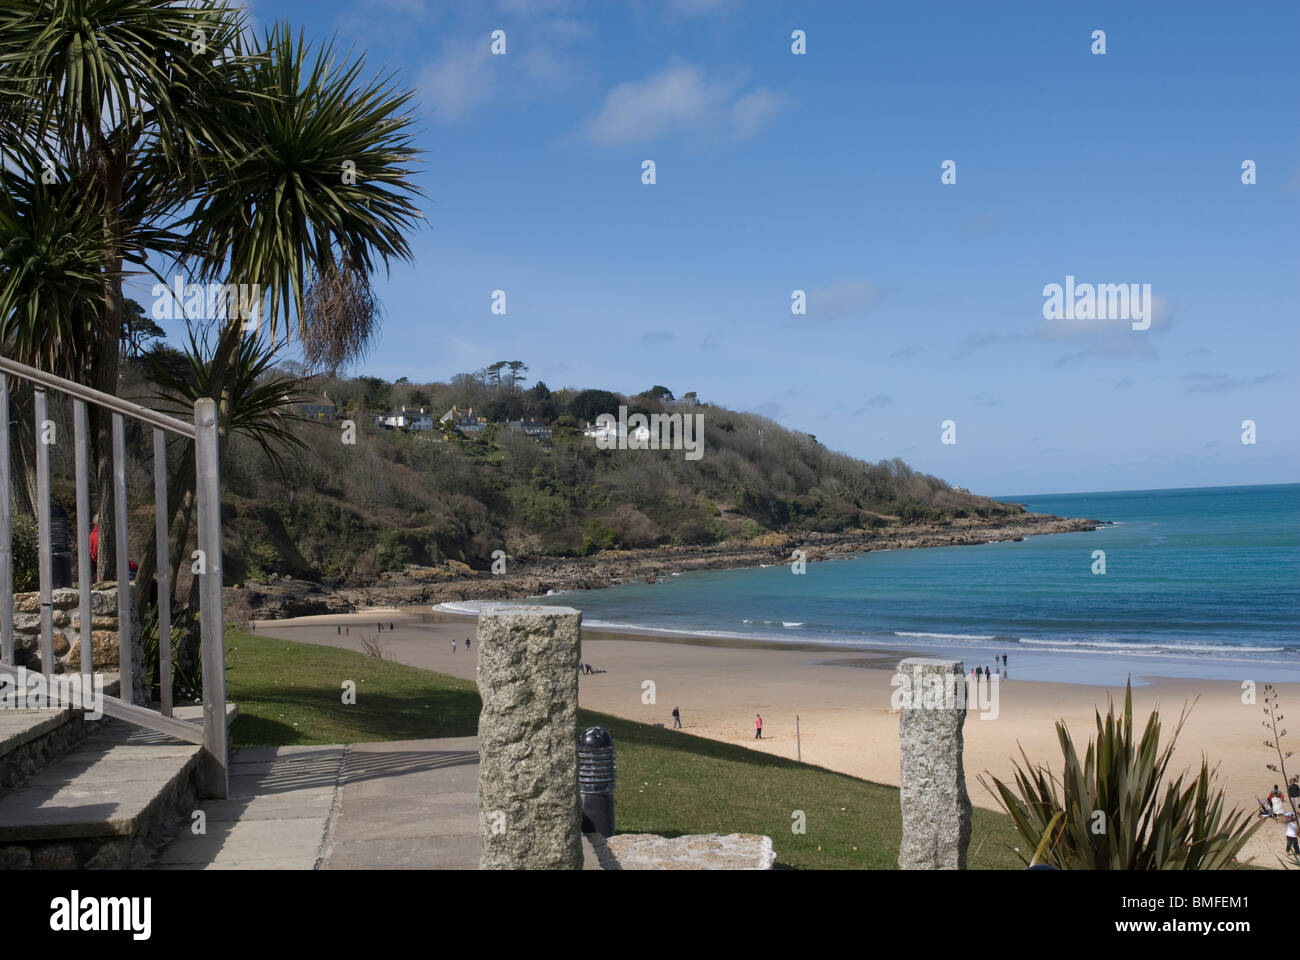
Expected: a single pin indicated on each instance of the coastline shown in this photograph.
(530, 576)
(842, 701)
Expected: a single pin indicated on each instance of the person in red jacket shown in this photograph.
(94, 550)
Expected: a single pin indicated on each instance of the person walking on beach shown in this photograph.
(467, 643)
(758, 726)
(1292, 844)
(339, 631)
(390, 627)
(677, 719)
(453, 646)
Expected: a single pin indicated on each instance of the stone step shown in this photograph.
(30, 740)
(107, 803)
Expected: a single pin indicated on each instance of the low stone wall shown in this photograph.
(67, 629)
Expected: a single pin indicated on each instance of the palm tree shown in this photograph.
(107, 100)
(134, 132)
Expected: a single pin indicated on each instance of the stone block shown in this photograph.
(932, 784)
(529, 813)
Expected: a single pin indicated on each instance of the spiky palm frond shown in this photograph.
(260, 396)
(314, 185)
(1114, 809)
(53, 278)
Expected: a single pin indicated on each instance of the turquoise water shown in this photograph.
(1201, 582)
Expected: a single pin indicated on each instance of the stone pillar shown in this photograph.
(529, 813)
(932, 784)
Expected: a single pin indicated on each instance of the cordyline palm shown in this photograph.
(276, 166)
(1114, 809)
(306, 190)
(108, 99)
(52, 291)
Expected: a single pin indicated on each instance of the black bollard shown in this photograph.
(596, 781)
(60, 547)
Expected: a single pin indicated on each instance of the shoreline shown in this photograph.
(532, 576)
(841, 704)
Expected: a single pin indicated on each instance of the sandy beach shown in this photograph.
(842, 702)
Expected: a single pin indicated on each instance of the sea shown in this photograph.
(1201, 583)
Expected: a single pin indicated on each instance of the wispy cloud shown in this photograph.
(1221, 382)
(842, 299)
(466, 74)
(978, 341)
(681, 99)
(657, 336)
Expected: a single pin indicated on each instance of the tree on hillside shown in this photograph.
(139, 332)
(659, 393)
(589, 404)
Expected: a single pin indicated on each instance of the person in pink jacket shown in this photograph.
(758, 726)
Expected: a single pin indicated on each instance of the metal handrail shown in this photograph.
(82, 392)
(204, 432)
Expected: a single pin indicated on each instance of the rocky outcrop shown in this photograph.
(529, 576)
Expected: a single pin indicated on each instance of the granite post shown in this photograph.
(530, 816)
(932, 784)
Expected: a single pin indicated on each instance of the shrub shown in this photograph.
(26, 541)
(1113, 810)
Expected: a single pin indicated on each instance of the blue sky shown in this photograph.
(821, 172)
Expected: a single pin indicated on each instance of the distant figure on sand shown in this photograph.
(1275, 800)
(390, 627)
(467, 643)
(758, 726)
(339, 631)
(1292, 845)
(453, 646)
(677, 719)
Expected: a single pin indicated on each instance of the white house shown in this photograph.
(408, 420)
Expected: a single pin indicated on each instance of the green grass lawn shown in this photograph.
(669, 783)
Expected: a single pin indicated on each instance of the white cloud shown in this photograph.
(680, 99)
(457, 81)
(539, 62)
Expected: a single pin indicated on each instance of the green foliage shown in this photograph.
(26, 553)
(450, 497)
(1114, 809)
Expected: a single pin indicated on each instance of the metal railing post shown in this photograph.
(6, 534)
(85, 570)
(164, 571)
(125, 635)
(44, 565)
(211, 611)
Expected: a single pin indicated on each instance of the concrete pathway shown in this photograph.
(405, 804)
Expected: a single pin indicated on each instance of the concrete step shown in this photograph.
(30, 740)
(107, 803)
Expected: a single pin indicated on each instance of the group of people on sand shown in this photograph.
(1274, 806)
(999, 662)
